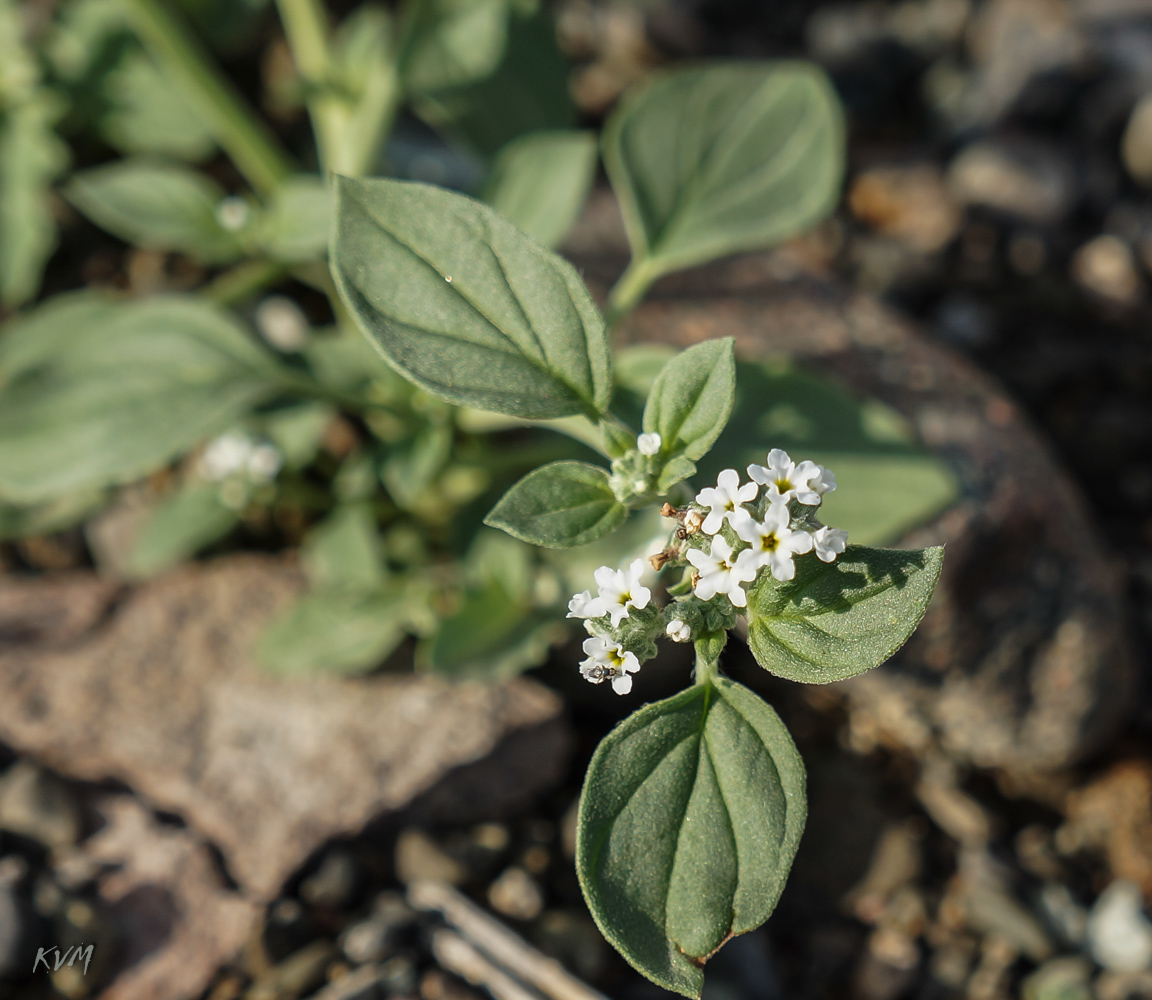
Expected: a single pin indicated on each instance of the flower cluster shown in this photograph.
(746, 529)
(238, 462)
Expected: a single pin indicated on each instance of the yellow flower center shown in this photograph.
(769, 542)
(784, 485)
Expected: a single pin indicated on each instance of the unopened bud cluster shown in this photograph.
(733, 535)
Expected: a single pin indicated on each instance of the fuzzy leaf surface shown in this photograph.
(559, 505)
(837, 620)
(465, 305)
(719, 159)
(690, 817)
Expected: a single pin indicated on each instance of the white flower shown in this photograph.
(263, 463)
(586, 606)
(785, 480)
(823, 482)
(679, 630)
(225, 456)
(621, 589)
(724, 499)
(720, 573)
(233, 213)
(608, 661)
(649, 444)
(829, 543)
(773, 544)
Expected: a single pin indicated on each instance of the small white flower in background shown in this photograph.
(724, 500)
(829, 543)
(233, 214)
(282, 323)
(720, 573)
(235, 454)
(649, 444)
(608, 661)
(824, 481)
(586, 606)
(773, 544)
(679, 630)
(621, 589)
(785, 480)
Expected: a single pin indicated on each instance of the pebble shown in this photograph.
(516, 894)
(398, 976)
(36, 804)
(333, 883)
(908, 203)
(362, 984)
(1136, 146)
(295, 976)
(1106, 266)
(1064, 914)
(419, 858)
(1059, 979)
(1119, 935)
(371, 939)
(1025, 180)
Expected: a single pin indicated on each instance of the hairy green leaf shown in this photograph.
(718, 159)
(335, 630)
(690, 817)
(156, 205)
(837, 620)
(95, 392)
(343, 551)
(298, 221)
(465, 305)
(540, 182)
(559, 506)
(178, 528)
(692, 398)
(448, 43)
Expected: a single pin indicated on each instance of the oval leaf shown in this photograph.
(178, 528)
(465, 305)
(689, 820)
(692, 398)
(837, 620)
(559, 505)
(718, 159)
(540, 182)
(155, 205)
(94, 392)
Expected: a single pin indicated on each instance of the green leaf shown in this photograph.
(528, 92)
(95, 393)
(334, 630)
(298, 222)
(692, 398)
(178, 528)
(560, 505)
(719, 159)
(149, 113)
(837, 620)
(675, 470)
(156, 205)
(465, 305)
(343, 552)
(540, 182)
(298, 431)
(411, 468)
(44, 519)
(31, 154)
(451, 42)
(690, 817)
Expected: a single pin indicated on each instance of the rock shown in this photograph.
(177, 919)
(1012, 42)
(1106, 266)
(1059, 979)
(1024, 180)
(1123, 986)
(1113, 815)
(398, 976)
(907, 203)
(165, 698)
(419, 858)
(993, 910)
(1119, 935)
(1023, 660)
(1063, 913)
(297, 975)
(1136, 146)
(362, 984)
(370, 940)
(516, 894)
(38, 805)
(333, 883)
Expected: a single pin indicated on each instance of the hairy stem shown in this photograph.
(630, 289)
(242, 135)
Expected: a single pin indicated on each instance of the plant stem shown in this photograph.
(243, 136)
(629, 289)
(244, 280)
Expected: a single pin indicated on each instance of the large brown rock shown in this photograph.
(159, 692)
